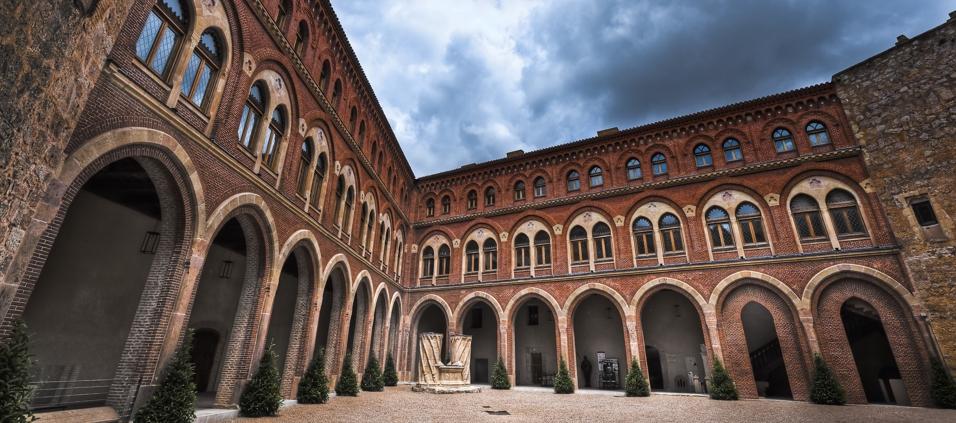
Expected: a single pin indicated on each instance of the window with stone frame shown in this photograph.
(471, 257)
(273, 138)
(428, 262)
(751, 224)
(430, 207)
(444, 260)
(633, 169)
(702, 156)
(783, 140)
(162, 36)
(579, 244)
(489, 196)
(305, 163)
(519, 190)
(522, 251)
(490, 251)
(445, 205)
(472, 200)
(318, 178)
(659, 164)
(540, 187)
(596, 176)
(337, 93)
(643, 237)
(845, 213)
(283, 14)
(202, 70)
(670, 231)
(807, 219)
(251, 115)
(347, 210)
(542, 249)
(574, 181)
(718, 227)
(732, 151)
(601, 233)
(325, 75)
(301, 39)
(339, 193)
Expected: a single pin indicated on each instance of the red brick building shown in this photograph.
(232, 173)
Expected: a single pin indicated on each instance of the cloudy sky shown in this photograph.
(466, 81)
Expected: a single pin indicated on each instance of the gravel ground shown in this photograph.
(400, 404)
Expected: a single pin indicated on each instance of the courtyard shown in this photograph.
(400, 404)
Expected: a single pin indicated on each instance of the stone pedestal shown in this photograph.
(435, 376)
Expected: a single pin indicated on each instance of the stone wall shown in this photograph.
(901, 107)
(60, 48)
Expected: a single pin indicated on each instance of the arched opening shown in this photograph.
(481, 323)
(356, 338)
(378, 327)
(431, 318)
(204, 347)
(766, 357)
(674, 343)
(230, 275)
(291, 300)
(875, 363)
(535, 349)
(118, 236)
(393, 328)
(599, 347)
(330, 317)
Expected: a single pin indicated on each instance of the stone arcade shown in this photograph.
(225, 167)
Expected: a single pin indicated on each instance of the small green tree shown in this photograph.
(635, 385)
(562, 381)
(314, 386)
(15, 389)
(826, 388)
(499, 378)
(262, 396)
(175, 399)
(372, 378)
(347, 385)
(721, 385)
(390, 375)
(943, 389)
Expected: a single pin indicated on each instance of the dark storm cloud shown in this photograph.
(468, 81)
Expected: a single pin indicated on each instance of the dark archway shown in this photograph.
(356, 339)
(95, 296)
(378, 327)
(674, 343)
(330, 318)
(288, 315)
(204, 347)
(599, 346)
(879, 373)
(430, 318)
(766, 358)
(394, 326)
(535, 349)
(283, 310)
(481, 323)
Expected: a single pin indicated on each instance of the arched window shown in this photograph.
(429, 207)
(702, 156)
(202, 68)
(361, 133)
(301, 38)
(251, 115)
(428, 262)
(574, 181)
(347, 211)
(369, 229)
(337, 93)
(596, 175)
(339, 194)
(817, 132)
(519, 190)
(643, 236)
(304, 163)
(732, 152)
(806, 215)
(162, 35)
(633, 169)
(845, 213)
(602, 241)
(471, 257)
(472, 200)
(751, 224)
(273, 137)
(317, 179)
(444, 260)
(540, 188)
(353, 118)
(325, 76)
(445, 205)
(365, 230)
(283, 15)
(670, 233)
(718, 225)
(490, 250)
(374, 153)
(783, 140)
(522, 251)
(579, 244)
(489, 196)
(542, 248)
(659, 164)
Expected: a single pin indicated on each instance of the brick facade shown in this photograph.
(206, 177)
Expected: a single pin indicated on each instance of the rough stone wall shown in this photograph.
(901, 108)
(60, 48)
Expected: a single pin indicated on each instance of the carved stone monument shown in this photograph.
(434, 376)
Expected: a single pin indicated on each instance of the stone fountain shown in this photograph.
(436, 377)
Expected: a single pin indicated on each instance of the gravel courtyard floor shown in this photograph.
(400, 404)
